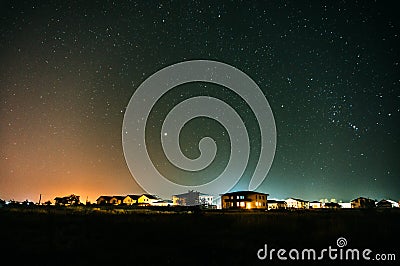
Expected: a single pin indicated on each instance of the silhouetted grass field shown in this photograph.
(111, 236)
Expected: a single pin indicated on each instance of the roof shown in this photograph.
(104, 197)
(163, 201)
(191, 192)
(387, 202)
(297, 199)
(186, 194)
(276, 201)
(119, 197)
(133, 196)
(66, 197)
(149, 196)
(244, 193)
(362, 198)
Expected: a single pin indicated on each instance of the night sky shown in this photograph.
(330, 72)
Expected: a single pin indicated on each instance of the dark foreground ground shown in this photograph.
(84, 236)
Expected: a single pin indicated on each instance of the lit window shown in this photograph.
(242, 204)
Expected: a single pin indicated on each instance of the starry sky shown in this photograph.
(330, 71)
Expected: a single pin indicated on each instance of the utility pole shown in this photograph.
(40, 198)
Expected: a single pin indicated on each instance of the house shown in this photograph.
(345, 205)
(131, 199)
(117, 200)
(362, 202)
(147, 199)
(276, 204)
(387, 204)
(103, 200)
(192, 198)
(293, 203)
(244, 200)
(67, 201)
(315, 204)
(206, 199)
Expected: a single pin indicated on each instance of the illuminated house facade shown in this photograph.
(117, 200)
(131, 199)
(244, 200)
(147, 199)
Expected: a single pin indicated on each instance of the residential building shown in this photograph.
(68, 200)
(315, 204)
(276, 204)
(131, 199)
(345, 205)
(206, 199)
(192, 198)
(104, 200)
(244, 200)
(387, 204)
(293, 203)
(117, 200)
(362, 202)
(147, 199)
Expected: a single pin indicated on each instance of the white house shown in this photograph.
(315, 205)
(206, 199)
(293, 203)
(345, 205)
